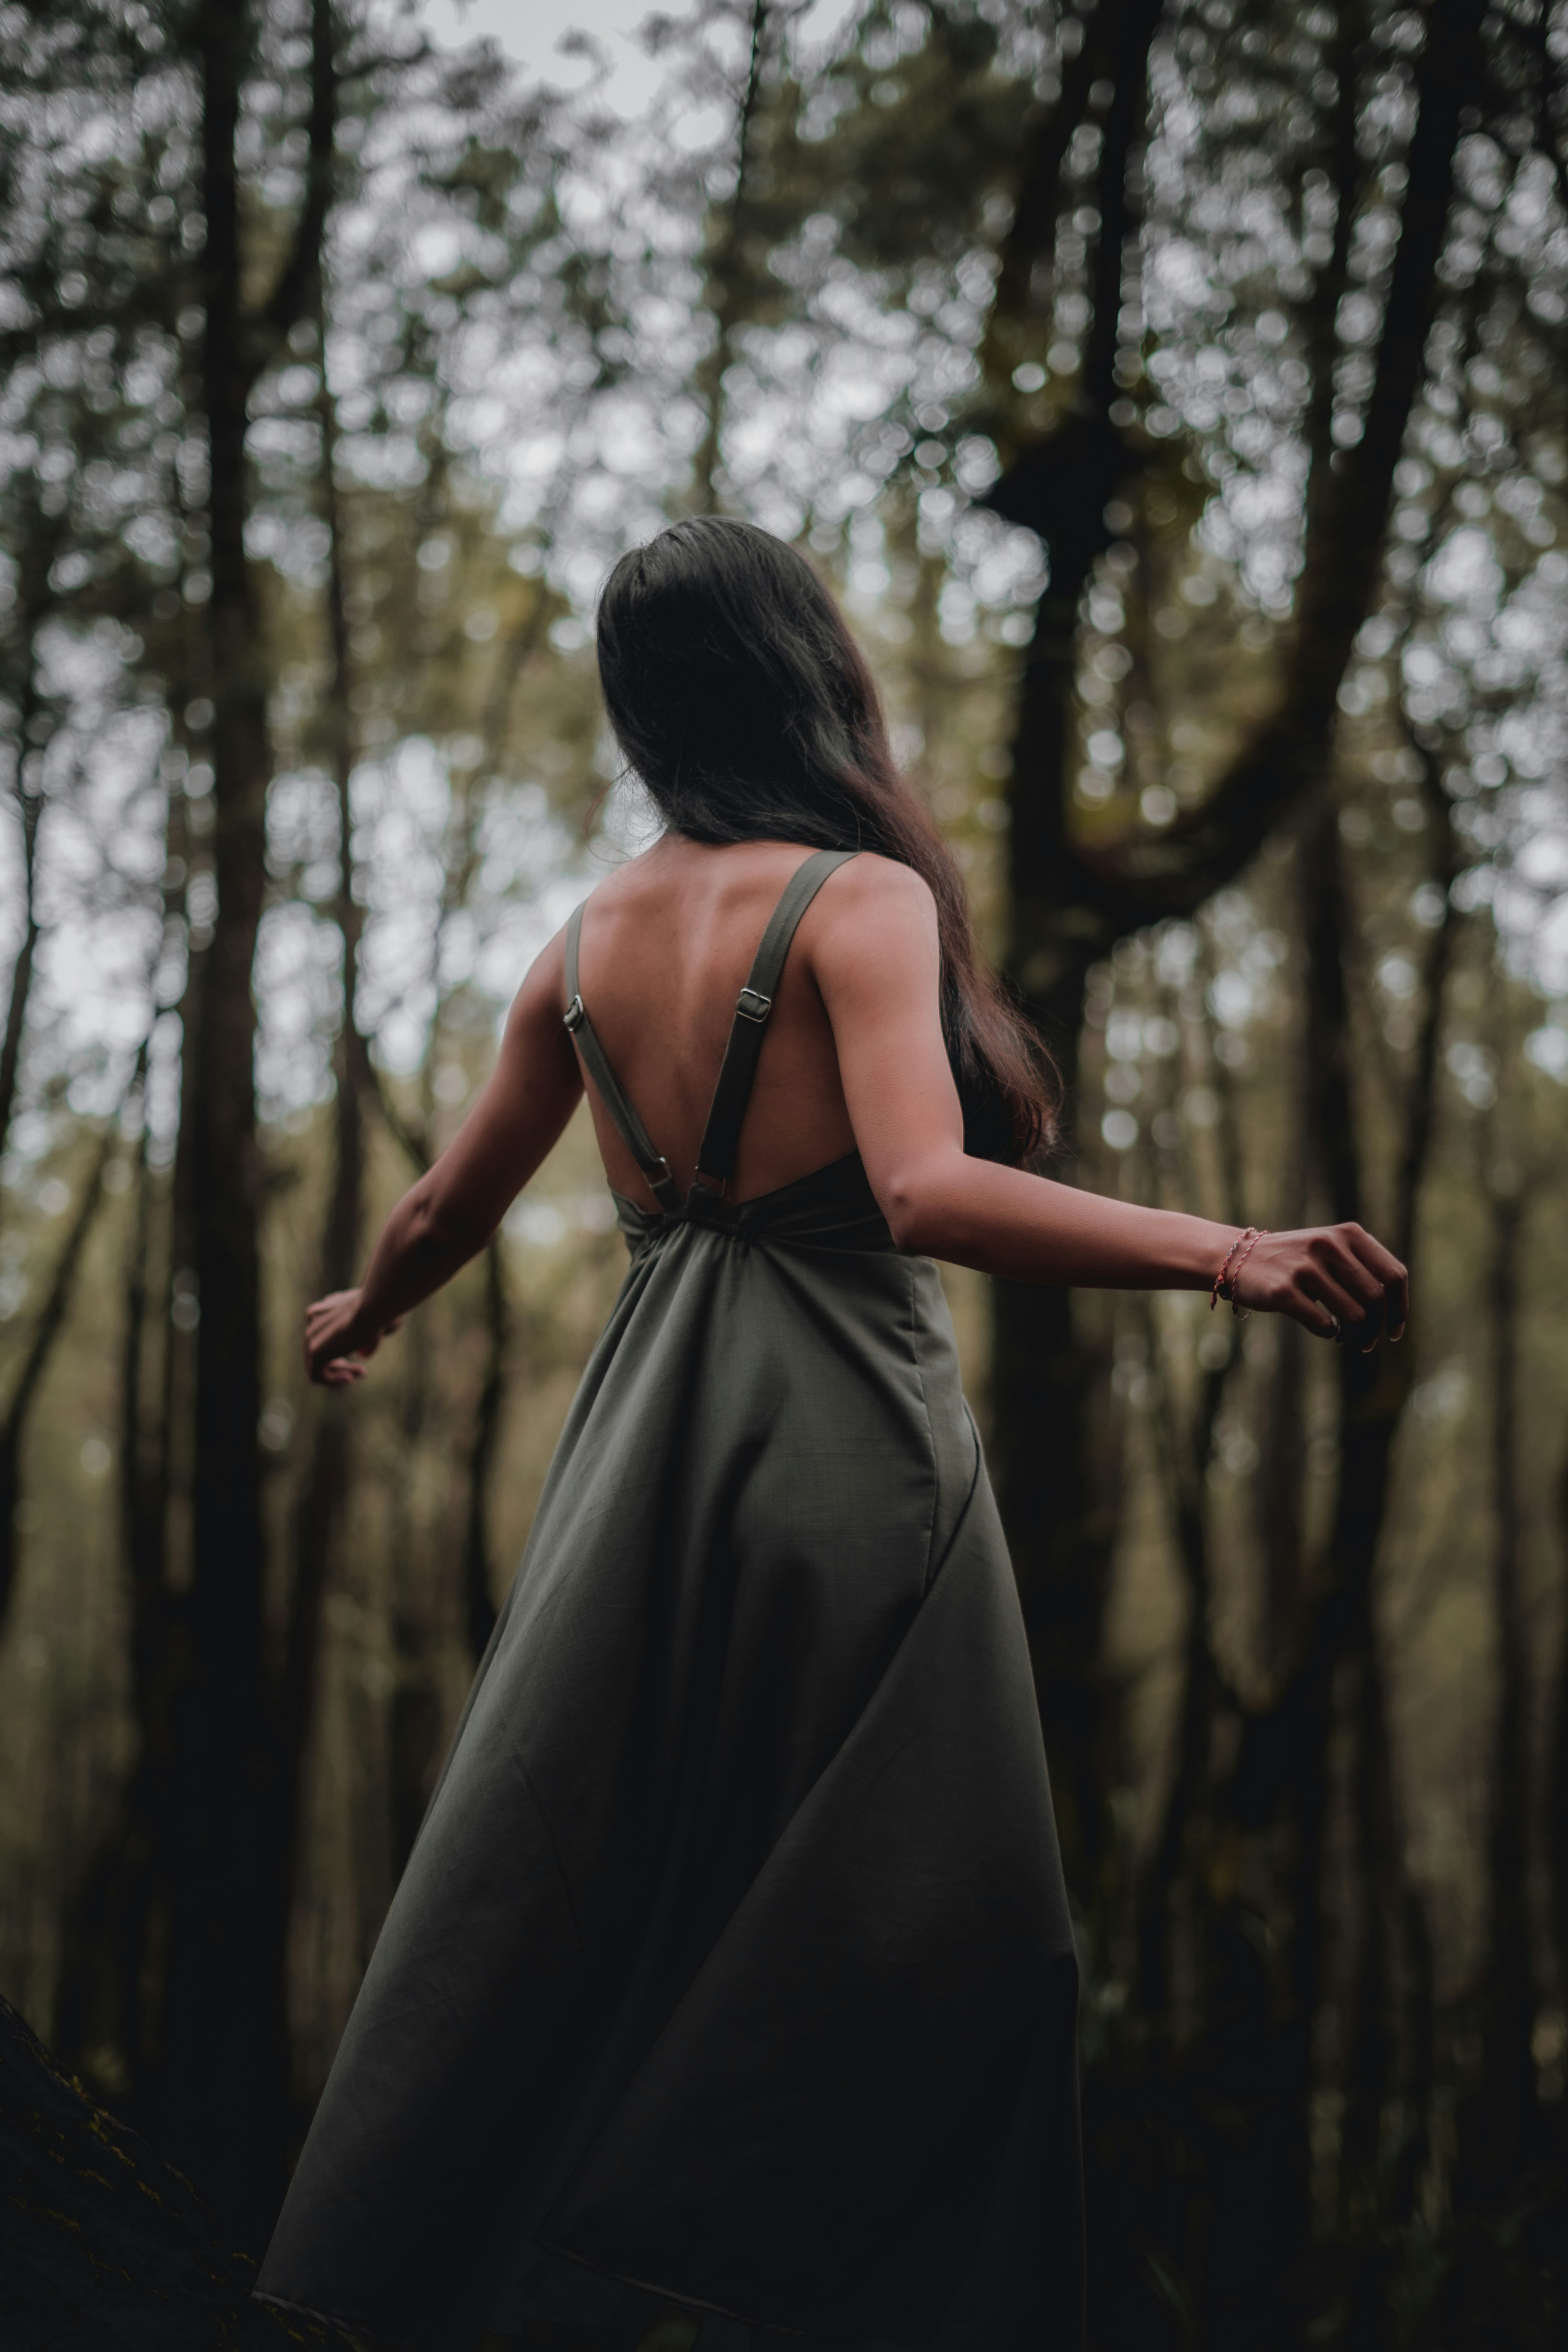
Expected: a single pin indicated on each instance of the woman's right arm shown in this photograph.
(450, 1214)
(876, 959)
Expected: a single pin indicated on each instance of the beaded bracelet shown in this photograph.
(1225, 1280)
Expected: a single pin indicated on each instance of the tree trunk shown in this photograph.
(35, 1363)
(326, 1488)
(413, 1729)
(220, 2092)
(1281, 1487)
(1059, 1522)
(29, 808)
(1372, 1388)
(1185, 1459)
(16, 1005)
(100, 2006)
(108, 1997)
(1375, 2037)
(1508, 2100)
(478, 1607)
(1284, 1754)
(1328, 924)
(1557, 1766)
(726, 280)
(1069, 906)
(220, 2089)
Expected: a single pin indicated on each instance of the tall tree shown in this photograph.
(1057, 1519)
(1071, 901)
(220, 2099)
(1506, 2132)
(732, 270)
(324, 1493)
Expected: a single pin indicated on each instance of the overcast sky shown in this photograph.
(530, 30)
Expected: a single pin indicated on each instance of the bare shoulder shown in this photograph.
(548, 970)
(542, 995)
(632, 878)
(874, 902)
(633, 892)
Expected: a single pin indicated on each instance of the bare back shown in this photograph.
(852, 1057)
(667, 943)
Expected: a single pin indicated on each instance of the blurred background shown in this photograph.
(1175, 393)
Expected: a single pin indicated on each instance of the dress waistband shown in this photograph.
(832, 1208)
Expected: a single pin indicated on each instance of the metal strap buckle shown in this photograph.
(752, 1005)
(574, 1014)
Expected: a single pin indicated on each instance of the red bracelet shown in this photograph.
(1229, 1275)
(1220, 1288)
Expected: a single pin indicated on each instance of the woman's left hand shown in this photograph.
(337, 1342)
(1337, 1281)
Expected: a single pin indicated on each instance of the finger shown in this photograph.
(1311, 1316)
(1386, 1301)
(1394, 1275)
(343, 1371)
(1396, 1303)
(1321, 1285)
(1345, 1267)
(1371, 1252)
(332, 1305)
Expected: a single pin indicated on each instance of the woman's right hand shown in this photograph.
(1334, 1280)
(337, 1341)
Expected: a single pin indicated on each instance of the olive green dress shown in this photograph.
(732, 1966)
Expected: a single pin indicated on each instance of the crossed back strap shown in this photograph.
(721, 1136)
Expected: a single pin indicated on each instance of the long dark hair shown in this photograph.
(742, 703)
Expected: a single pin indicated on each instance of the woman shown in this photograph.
(733, 1968)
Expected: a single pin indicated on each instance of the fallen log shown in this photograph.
(102, 2244)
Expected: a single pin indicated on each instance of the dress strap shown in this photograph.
(616, 1101)
(721, 1136)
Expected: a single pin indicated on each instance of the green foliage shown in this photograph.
(926, 119)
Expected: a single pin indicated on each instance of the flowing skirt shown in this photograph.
(732, 1966)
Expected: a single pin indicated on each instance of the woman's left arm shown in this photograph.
(877, 962)
(449, 1215)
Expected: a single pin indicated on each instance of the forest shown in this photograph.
(1174, 391)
